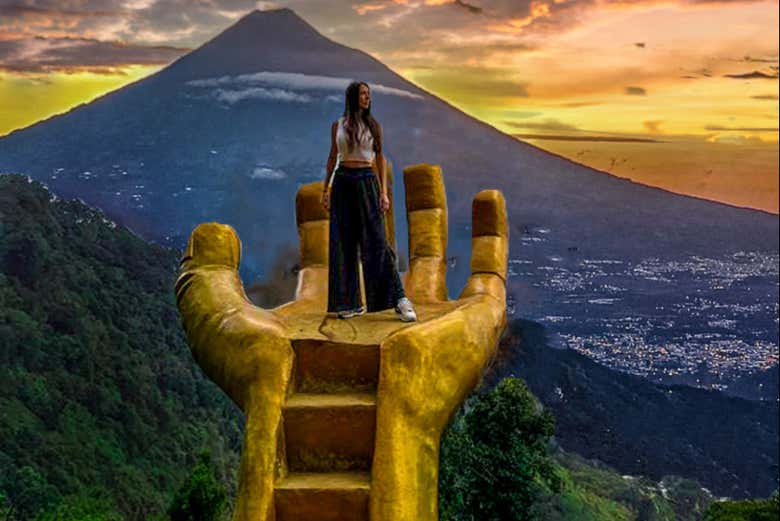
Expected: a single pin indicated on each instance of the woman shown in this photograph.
(357, 202)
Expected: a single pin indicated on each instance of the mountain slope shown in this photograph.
(728, 444)
(100, 396)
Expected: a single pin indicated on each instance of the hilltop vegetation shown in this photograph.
(100, 396)
(499, 462)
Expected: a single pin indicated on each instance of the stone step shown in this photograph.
(337, 496)
(332, 367)
(329, 432)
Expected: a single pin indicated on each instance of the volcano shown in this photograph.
(230, 131)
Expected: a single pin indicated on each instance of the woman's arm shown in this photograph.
(331, 156)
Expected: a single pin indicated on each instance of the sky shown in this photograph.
(679, 94)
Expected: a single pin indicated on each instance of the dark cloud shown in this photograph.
(47, 9)
(555, 130)
(397, 33)
(471, 8)
(765, 97)
(522, 114)
(697, 73)
(740, 129)
(754, 75)
(653, 125)
(635, 91)
(609, 139)
(177, 23)
(758, 60)
(556, 15)
(36, 55)
(641, 45)
(420, 67)
(184, 22)
(578, 104)
(550, 124)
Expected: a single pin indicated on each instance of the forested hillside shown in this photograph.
(99, 395)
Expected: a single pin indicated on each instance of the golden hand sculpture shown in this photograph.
(344, 417)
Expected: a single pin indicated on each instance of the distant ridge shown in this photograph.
(728, 444)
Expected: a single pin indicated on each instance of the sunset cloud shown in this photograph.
(741, 129)
(234, 96)
(176, 23)
(759, 60)
(754, 75)
(362, 9)
(283, 86)
(555, 130)
(630, 70)
(549, 124)
(593, 139)
(40, 54)
(635, 91)
(470, 8)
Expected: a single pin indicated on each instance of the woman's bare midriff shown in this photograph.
(356, 164)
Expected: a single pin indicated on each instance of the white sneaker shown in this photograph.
(352, 312)
(406, 310)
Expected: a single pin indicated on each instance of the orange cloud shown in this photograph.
(362, 9)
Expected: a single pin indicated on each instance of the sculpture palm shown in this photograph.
(344, 417)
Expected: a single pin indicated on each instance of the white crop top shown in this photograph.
(363, 150)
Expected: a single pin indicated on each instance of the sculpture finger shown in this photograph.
(426, 372)
(426, 213)
(489, 246)
(389, 215)
(221, 325)
(312, 220)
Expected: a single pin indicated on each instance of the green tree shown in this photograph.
(25, 492)
(745, 510)
(93, 505)
(201, 497)
(495, 458)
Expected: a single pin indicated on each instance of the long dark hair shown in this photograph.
(352, 114)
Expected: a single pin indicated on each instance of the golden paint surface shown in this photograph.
(344, 417)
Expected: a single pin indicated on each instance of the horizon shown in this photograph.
(732, 159)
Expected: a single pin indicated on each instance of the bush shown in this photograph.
(495, 459)
(747, 510)
(201, 497)
(93, 505)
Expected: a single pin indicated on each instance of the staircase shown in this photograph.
(329, 421)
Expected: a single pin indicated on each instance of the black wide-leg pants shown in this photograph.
(357, 222)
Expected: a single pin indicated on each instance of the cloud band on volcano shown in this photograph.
(282, 86)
